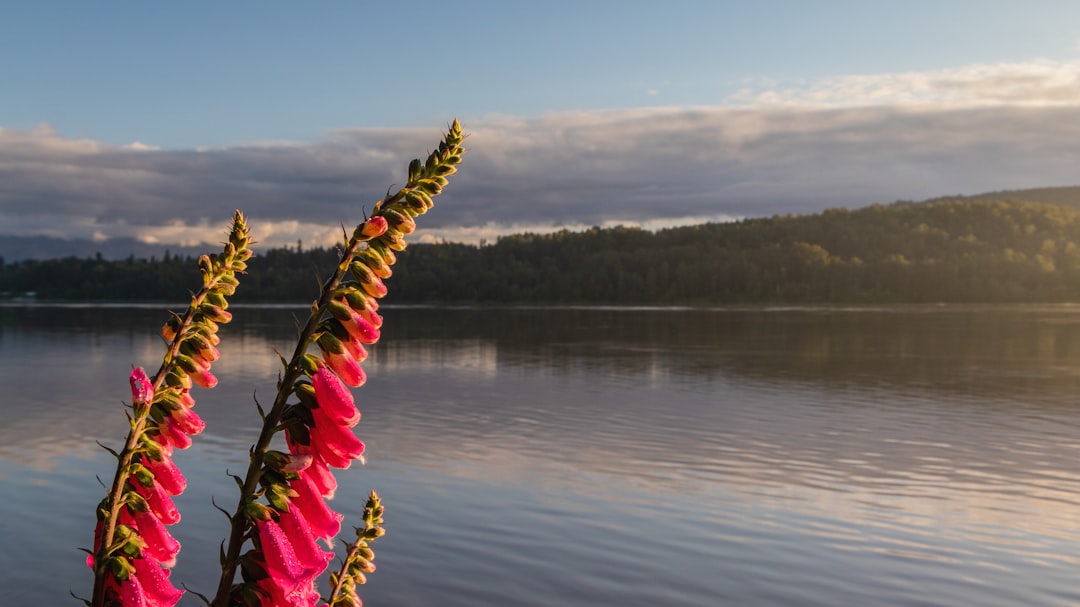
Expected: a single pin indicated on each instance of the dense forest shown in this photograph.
(961, 250)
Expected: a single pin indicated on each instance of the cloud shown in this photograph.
(848, 141)
(1035, 84)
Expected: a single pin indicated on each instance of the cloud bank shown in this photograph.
(847, 141)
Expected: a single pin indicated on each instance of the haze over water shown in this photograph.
(773, 457)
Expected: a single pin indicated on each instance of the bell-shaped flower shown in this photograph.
(285, 569)
(142, 389)
(171, 434)
(159, 501)
(360, 328)
(307, 550)
(372, 228)
(166, 473)
(324, 522)
(155, 583)
(204, 378)
(339, 359)
(328, 437)
(160, 544)
(187, 420)
(335, 400)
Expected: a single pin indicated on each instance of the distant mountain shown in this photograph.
(17, 248)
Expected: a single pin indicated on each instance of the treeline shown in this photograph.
(940, 251)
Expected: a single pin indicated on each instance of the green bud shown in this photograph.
(309, 363)
(255, 511)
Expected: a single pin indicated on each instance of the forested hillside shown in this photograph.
(964, 250)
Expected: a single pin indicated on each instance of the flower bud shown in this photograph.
(372, 228)
(142, 389)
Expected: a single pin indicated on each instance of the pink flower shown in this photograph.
(142, 389)
(334, 443)
(373, 227)
(307, 550)
(187, 420)
(172, 435)
(361, 328)
(287, 572)
(204, 378)
(335, 400)
(322, 478)
(159, 501)
(155, 583)
(160, 544)
(346, 367)
(185, 399)
(166, 473)
(324, 522)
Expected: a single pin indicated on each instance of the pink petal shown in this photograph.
(159, 501)
(160, 545)
(166, 473)
(155, 582)
(335, 400)
(324, 522)
(172, 435)
(187, 420)
(328, 437)
(346, 367)
(307, 550)
(132, 593)
(142, 389)
(361, 329)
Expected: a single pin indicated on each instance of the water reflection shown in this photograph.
(778, 457)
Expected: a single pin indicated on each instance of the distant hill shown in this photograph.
(1066, 196)
(987, 248)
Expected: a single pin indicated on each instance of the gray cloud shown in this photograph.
(656, 166)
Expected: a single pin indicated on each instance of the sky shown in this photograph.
(154, 121)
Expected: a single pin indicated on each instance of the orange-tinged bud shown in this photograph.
(372, 228)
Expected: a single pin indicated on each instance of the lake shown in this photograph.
(909, 456)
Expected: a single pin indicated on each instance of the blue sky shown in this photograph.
(127, 121)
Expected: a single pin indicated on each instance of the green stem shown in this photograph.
(239, 523)
(123, 467)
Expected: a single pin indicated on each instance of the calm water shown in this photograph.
(781, 457)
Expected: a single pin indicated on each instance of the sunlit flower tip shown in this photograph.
(372, 317)
(187, 420)
(375, 288)
(159, 501)
(324, 522)
(356, 350)
(160, 545)
(142, 389)
(166, 474)
(361, 329)
(172, 435)
(186, 399)
(373, 227)
(346, 367)
(155, 583)
(204, 378)
(335, 400)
